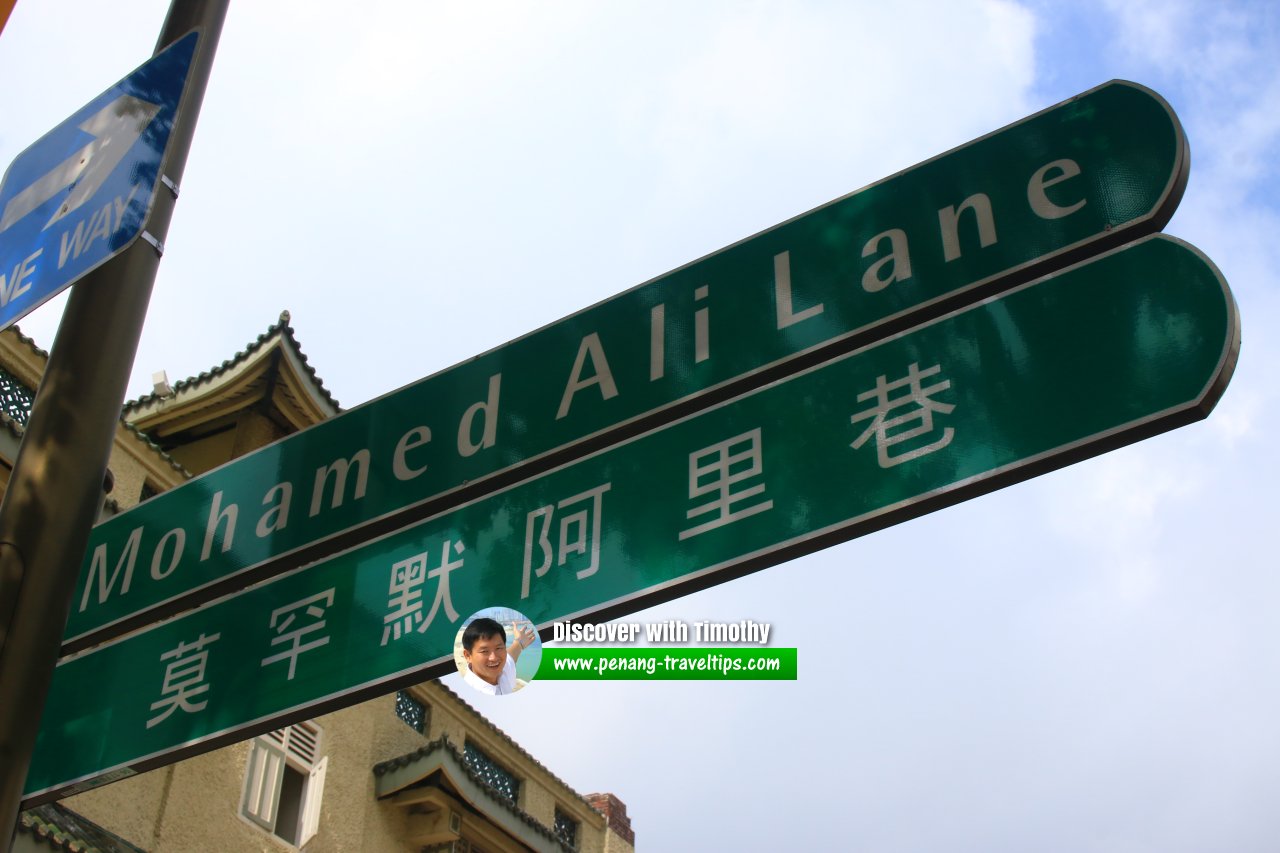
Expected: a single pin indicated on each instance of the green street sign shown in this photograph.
(1088, 174)
(1118, 348)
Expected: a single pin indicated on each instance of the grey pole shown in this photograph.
(55, 490)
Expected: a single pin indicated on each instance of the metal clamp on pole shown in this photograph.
(150, 240)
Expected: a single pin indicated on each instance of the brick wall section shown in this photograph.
(615, 811)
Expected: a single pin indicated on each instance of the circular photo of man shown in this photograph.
(497, 651)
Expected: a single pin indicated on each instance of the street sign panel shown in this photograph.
(1089, 173)
(82, 193)
(1117, 348)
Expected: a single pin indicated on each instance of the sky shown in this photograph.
(1087, 661)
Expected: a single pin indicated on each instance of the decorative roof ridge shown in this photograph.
(482, 718)
(443, 742)
(280, 328)
(52, 833)
(384, 767)
(29, 342)
(43, 823)
(164, 454)
(18, 431)
(12, 424)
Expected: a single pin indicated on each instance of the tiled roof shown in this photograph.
(146, 439)
(282, 329)
(442, 744)
(15, 429)
(29, 342)
(385, 765)
(63, 829)
(518, 748)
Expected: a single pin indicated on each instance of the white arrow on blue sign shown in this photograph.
(82, 193)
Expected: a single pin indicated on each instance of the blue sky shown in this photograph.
(1084, 662)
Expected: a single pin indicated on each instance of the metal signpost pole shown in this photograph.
(55, 492)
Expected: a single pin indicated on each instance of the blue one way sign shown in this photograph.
(82, 193)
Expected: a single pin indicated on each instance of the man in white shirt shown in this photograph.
(491, 663)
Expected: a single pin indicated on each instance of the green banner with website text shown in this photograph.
(668, 664)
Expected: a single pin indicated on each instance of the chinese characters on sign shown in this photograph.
(715, 471)
(407, 579)
(725, 484)
(283, 617)
(854, 444)
(579, 535)
(919, 406)
(183, 678)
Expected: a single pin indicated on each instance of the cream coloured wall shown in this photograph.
(194, 805)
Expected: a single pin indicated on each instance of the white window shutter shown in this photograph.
(262, 785)
(311, 808)
(301, 743)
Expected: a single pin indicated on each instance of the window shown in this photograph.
(566, 829)
(413, 712)
(497, 777)
(15, 397)
(285, 782)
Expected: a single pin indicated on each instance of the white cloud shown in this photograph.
(1156, 29)
(1223, 62)
(1236, 418)
(551, 154)
(1114, 508)
(792, 88)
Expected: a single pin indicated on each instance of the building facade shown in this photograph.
(420, 770)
